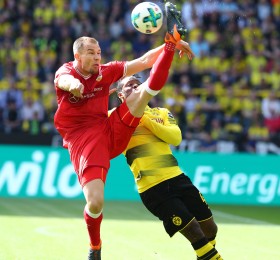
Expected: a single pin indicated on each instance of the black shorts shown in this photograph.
(176, 202)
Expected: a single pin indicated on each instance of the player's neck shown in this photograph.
(83, 73)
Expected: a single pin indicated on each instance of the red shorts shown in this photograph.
(92, 173)
(94, 146)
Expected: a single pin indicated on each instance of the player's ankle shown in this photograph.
(96, 247)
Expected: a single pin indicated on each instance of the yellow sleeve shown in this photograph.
(168, 130)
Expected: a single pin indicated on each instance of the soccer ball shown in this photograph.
(147, 17)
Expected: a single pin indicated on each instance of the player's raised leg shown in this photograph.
(175, 31)
(138, 100)
(173, 17)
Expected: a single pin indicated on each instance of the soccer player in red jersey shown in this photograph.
(91, 137)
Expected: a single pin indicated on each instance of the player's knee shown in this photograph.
(137, 103)
(212, 230)
(95, 204)
(192, 231)
(209, 228)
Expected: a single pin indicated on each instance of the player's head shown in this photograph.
(87, 55)
(126, 86)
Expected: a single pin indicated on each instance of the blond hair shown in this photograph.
(78, 45)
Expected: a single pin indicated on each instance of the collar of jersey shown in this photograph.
(85, 77)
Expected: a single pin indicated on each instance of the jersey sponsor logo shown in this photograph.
(170, 115)
(92, 94)
(158, 120)
(98, 89)
(177, 221)
(89, 95)
(73, 99)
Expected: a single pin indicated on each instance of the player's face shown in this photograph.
(89, 59)
(129, 86)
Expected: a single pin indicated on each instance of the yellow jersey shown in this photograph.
(148, 153)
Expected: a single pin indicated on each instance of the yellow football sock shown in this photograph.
(213, 242)
(208, 252)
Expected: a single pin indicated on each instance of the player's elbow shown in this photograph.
(176, 139)
(137, 65)
(145, 62)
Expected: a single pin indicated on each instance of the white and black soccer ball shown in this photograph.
(147, 17)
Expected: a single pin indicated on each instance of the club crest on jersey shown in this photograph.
(99, 78)
(177, 221)
(170, 115)
(73, 99)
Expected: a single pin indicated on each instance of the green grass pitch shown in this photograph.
(40, 229)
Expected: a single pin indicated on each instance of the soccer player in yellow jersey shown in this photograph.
(164, 189)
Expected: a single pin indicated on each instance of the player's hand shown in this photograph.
(77, 88)
(183, 48)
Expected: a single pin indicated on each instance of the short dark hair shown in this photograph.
(127, 79)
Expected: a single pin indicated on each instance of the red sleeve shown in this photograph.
(66, 68)
(117, 69)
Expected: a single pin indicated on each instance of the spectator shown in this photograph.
(210, 106)
(32, 126)
(250, 107)
(11, 118)
(190, 10)
(257, 133)
(12, 93)
(200, 46)
(264, 10)
(207, 143)
(271, 112)
(30, 108)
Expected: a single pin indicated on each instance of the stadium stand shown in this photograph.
(226, 100)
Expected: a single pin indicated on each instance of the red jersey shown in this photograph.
(91, 137)
(73, 112)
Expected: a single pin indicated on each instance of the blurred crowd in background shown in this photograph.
(227, 99)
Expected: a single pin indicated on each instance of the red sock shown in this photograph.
(160, 69)
(93, 227)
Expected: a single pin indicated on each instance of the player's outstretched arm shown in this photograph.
(69, 83)
(168, 131)
(146, 61)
